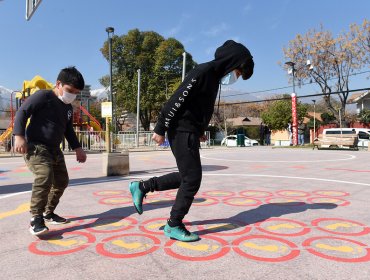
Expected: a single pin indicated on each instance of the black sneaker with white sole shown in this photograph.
(38, 226)
(55, 219)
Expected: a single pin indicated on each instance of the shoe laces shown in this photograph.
(184, 229)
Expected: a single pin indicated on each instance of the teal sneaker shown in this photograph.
(137, 196)
(180, 233)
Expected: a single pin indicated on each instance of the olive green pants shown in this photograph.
(51, 177)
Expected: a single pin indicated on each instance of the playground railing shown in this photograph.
(123, 140)
(95, 141)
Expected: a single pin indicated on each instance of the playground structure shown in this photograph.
(82, 119)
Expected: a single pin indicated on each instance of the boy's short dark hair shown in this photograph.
(71, 76)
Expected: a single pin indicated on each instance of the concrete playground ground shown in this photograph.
(262, 213)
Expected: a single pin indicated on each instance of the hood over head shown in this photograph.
(232, 55)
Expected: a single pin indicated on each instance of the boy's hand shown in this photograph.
(159, 139)
(80, 155)
(20, 144)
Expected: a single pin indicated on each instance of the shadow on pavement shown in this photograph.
(15, 188)
(108, 217)
(261, 213)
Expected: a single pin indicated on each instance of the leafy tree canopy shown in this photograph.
(160, 62)
(279, 113)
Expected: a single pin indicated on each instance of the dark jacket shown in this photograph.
(191, 107)
(50, 120)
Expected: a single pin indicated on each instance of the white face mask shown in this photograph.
(67, 97)
(229, 78)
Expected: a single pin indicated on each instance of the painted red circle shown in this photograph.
(225, 249)
(327, 193)
(143, 227)
(102, 251)
(90, 227)
(305, 229)
(293, 254)
(243, 228)
(364, 231)
(256, 194)
(110, 193)
(365, 258)
(105, 200)
(90, 239)
(288, 202)
(173, 193)
(285, 193)
(233, 201)
(333, 200)
(218, 193)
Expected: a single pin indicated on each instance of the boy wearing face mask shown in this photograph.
(51, 118)
(185, 117)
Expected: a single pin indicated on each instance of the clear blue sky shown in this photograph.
(71, 32)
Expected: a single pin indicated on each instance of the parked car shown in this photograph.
(362, 133)
(231, 141)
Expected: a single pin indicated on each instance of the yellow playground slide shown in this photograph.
(29, 87)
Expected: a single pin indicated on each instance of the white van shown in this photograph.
(362, 133)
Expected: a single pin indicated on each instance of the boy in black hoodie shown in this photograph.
(185, 117)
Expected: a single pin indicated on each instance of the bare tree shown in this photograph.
(360, 34)
(332, 61)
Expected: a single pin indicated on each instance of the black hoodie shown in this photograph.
(190, 108)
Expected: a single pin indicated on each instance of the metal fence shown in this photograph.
(95, 141)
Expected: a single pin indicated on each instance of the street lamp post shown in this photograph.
(183, 66)
(110, 32)
(294, 105)
(138, 106)
(314, 119)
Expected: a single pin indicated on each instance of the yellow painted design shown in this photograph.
(293, 193)
(118, 200)
(109, 192)
(268, 248)
(338, 225)
(158, 225)
(242, 201)
(116, 224)
(198, 247)
(279, 226)
(218, 193)
(343, 249)
(328, 200)
(25, 207)
(130, 246)
(66, 243)
(223, 226)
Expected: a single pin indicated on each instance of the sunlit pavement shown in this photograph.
(262, 213)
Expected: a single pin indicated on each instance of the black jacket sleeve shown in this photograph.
(173, 105)
(32, 104)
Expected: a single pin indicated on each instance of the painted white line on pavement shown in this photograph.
(204, 174)
(350, 157)
(290, 177)
(84, 183)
